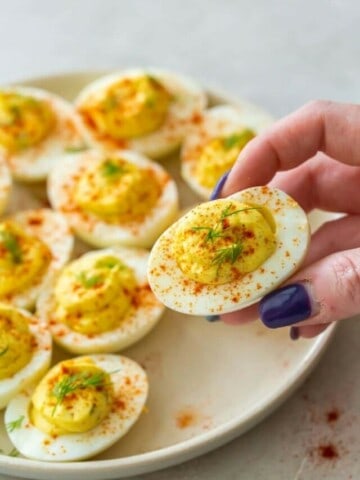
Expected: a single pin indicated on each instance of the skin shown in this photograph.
(313, 155)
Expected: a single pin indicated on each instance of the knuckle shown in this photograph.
(346, 273)
(318, 105)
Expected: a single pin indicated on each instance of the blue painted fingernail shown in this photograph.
(218, 187)
(294, 333)
(212, 318)
(285, 306)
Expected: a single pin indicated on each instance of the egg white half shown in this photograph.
(93, 229)
(37, 366)
(130, 392)
(52, 229)
(219, 121)
(137, 323)
(34, 163)
(189, 101)
(184, 295)
(5, 184)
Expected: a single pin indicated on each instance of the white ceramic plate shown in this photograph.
(208, 382)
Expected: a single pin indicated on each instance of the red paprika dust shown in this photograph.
(328, 451)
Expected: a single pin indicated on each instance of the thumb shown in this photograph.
(323, 292)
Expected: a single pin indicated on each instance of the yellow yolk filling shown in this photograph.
(221, 241)
(16, 342)
(117, 190)
(24, 121)
(131, 108)
(219, 155)
(23, 258)
(73, 397)
(93, 295)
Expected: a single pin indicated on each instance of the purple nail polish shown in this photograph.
(218, 187)
(285, 306)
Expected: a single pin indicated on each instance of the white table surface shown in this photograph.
(279, 54)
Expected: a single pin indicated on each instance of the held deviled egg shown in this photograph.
(36, 127)
(34, 244)
(25, 351)
(227, 254)
(212, 146)
(147, 110)
(81, 407)
(118, 198)
(101, 302)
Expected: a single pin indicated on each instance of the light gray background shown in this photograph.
(278, 54)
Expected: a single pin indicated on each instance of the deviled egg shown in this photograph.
(81, 407)
(36, 127)
(101, 302)
(227, 254)
(34, 244)
(117, 198)
(147, 110)
(25, 351)
(212, 145)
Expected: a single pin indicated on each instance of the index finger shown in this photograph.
(329, 127)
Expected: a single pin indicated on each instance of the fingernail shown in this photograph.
(218, 187)
(294, 333)
(286, 306)
(212, 318)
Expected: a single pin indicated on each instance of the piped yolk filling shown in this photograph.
(23, 258)
(16, 342)
(222, 240)
(116, 190)
(24, 121)
(219, 155)
(73, 397)
(93, 296)
(131, 108)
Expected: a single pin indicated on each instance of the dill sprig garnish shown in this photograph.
(11, 426)
(227, 211)
(212, 233)
(11, 244)
(76, 149)
(4, 350)
(228, 254)
(110, 169)
(88, 281)
(72, 383)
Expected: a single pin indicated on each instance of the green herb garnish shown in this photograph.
(110, 103)
(231, 141)
(72, 383)
(11, 244)
(229, 254)
(74, 149)
(238, 139)
(14, 452)
(212, 233)
(227, 211)
(89, 281)
(110, 263)
(216, 232)
(4, 350)
(11, 426)
(109, 169)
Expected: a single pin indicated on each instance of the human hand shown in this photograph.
(314, 156)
